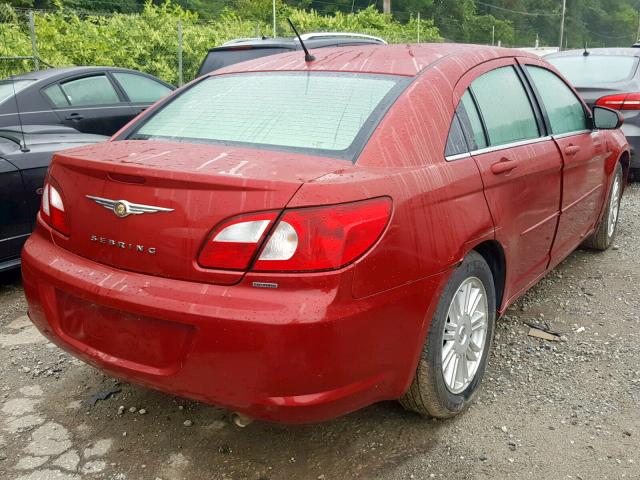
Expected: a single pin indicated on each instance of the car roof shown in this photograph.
(311, 40)
(52, 73)
(625, 52)
(398, 59)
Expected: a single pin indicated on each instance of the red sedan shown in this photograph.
(295, 240)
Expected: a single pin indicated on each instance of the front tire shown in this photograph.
(455, 353)
(603, 237)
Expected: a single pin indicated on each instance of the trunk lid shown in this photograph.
(199, 185)
(593, 92)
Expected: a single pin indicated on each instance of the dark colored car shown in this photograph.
(97, 100)
(23, 165)
(243, 49)
(295, 240)
(608, 77)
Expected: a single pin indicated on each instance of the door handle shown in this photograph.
(503, 166)
(74, 116)
(571, 150)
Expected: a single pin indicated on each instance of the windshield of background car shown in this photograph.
(7, 87)
(592, 69)
(331, 114)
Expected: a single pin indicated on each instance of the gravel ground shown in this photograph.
(551, 410)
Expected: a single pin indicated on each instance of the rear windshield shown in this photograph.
(7, 87)
(586, 70)
(331, 114)
(222, 58)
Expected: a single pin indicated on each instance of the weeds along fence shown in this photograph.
(163, 40)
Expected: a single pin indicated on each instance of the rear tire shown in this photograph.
(603, 237)
(439, 389)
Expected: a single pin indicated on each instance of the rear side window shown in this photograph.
(456, 143)
(140, 88)
(587, 70)
(505, 106)
(564, 110)
(317, 112)
(88, 91)
(56, 96)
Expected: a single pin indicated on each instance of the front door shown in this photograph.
(584, 154)
(15, 218)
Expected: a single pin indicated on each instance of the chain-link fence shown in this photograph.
(18, 45)
(161, 40)
(33, 40)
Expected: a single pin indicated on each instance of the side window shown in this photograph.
(141, 89)
(466, 132)
(470, 119)
(56, 96)
(87, 91)
(456, 144)
(505, 106)
(565, 111)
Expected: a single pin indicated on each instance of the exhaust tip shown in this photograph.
(241, 420)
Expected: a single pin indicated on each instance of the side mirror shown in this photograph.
(606, 119)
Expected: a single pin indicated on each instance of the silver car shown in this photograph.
(609, 77)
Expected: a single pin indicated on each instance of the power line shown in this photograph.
(519, 12)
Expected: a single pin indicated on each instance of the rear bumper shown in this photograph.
(304, 352)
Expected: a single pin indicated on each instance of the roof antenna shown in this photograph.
(586, 52)
(307, 56)
(23, 145)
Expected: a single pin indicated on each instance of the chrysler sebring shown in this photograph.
(294, 240)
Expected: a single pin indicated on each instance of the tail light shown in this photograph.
(234, 243)
(304, 239)
(52, 209)
(620, 101)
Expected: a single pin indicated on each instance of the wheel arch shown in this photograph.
(493, 254)
(625, 161)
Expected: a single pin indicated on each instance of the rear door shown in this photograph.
(520, 167)
(584, 154)
(90, 104)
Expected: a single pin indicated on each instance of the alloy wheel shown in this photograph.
(465, 335)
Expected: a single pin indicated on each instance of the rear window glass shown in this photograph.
(581, 70)
(321, 113)
(223, 58)
(8, 87)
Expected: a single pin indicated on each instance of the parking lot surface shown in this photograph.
(548, 409)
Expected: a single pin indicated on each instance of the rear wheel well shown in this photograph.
(493, 254)
(625, 162)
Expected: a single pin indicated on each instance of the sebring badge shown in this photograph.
(123, 208)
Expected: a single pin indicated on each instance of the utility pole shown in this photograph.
(638, 34)
(34, 48)
(418, 27)
(274, 18)
(386, 6)
(564, 9)
(180, 77)
(493, 35)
